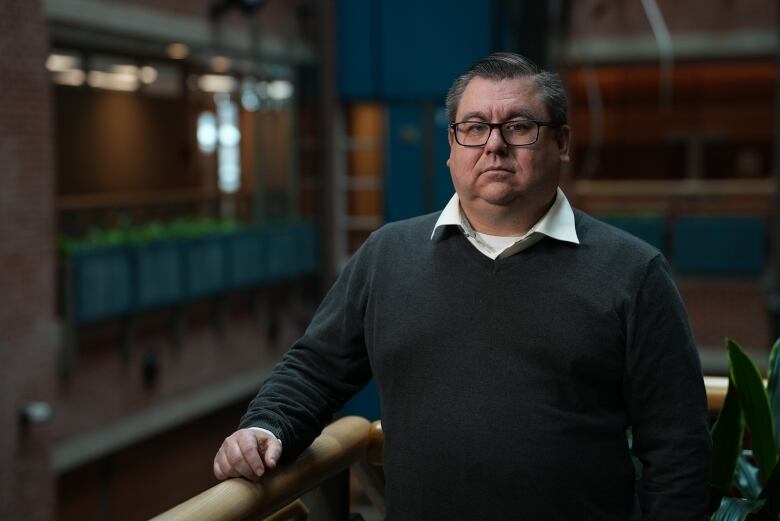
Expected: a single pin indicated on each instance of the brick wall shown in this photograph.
(27, 332)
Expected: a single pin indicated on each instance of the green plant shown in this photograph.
(127, 235)
(746, 483)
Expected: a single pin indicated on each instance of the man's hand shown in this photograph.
(246, 453)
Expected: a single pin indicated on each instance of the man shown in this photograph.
(514, 341)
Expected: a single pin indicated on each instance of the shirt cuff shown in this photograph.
(267, 432)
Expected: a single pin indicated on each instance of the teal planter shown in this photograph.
(109, 281)
(310, 249)
(648, 228)
(246, 259)
(204, 265)
(159, 277)
(281, 252)
(102, 283)
(719, 245)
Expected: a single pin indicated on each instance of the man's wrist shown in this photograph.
(267, 432)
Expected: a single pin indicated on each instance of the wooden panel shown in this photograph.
(365, 202)
(747, 121)
(698, 82)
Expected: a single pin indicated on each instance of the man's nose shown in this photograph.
(495, 142)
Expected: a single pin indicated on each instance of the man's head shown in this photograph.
(508, 137)
(507, 66)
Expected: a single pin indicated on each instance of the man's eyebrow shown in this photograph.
(474, 115)
(520, 113)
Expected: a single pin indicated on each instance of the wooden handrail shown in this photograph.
(375, 444)
(341, 444)
(716, 392)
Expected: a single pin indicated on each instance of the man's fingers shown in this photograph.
(238, 462)
(222, 469)
(273, 450)
(251, 447)
(247, 453)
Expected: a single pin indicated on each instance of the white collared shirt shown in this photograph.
(557, 223)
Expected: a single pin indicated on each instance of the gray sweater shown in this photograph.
(507, 386)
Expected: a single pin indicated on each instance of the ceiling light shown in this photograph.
(220, 64)
(147, 74)
(125, 70)
(217, 83)
(177, 51)
(280, 90)
(73, 77)
(112, 81)
(62, 62)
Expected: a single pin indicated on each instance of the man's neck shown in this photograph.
(505, 221)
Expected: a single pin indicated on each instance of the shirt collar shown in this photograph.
(557, 223)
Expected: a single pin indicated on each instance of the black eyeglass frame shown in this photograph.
(500, 126)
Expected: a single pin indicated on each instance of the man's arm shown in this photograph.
(319, 373)
(667, 404)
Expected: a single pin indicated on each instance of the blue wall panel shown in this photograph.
(404, 183)
(424, 45)
(407, 48)
(356, 47)
(366, 403)
(442, 182)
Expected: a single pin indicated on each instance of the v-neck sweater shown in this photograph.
(507, 385)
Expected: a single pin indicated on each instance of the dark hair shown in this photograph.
(507, 66)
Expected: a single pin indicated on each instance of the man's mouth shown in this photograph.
(496, 170)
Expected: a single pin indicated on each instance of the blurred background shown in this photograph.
(180, 180)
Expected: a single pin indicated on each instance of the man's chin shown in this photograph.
(500, 198)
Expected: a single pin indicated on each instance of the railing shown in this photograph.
(673, 198)
(341, 444)
(77, 214)
(716, 392)
(350, 441)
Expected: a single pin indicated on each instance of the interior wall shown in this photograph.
(110, 142)
(150, 477)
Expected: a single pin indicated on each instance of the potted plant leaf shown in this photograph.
(746, 483)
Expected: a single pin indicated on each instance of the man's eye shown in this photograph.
(519, 126)
(475, 128)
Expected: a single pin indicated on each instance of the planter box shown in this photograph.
(281, 252)
(648, 228)
(308, 249)
(159, 279)
(204, 266)
(719, 245)
(246, 259)
(112, 281)
(102, 284)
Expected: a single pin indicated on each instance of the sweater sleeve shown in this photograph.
(666, 401)
(323, 369)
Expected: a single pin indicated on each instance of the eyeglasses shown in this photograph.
(515, 133)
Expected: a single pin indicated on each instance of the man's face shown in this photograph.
(497, 174)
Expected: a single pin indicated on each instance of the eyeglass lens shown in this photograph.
(516, 133)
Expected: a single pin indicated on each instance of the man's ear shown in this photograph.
(563, 138)
(450, 139)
